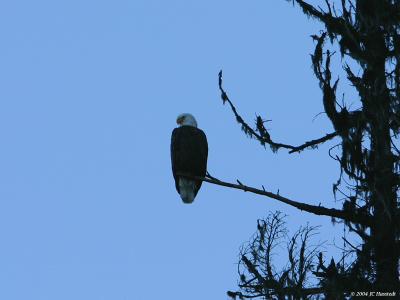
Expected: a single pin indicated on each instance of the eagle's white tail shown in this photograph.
(186, 190)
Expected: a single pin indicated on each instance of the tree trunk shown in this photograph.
(382, 176)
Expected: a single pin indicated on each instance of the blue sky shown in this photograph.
(89, 95)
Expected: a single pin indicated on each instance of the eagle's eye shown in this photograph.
(180, 120)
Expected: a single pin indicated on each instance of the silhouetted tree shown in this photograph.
(367, 33)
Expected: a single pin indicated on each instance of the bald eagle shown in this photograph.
(189, 151)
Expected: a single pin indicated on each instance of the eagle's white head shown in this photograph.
(186, 119)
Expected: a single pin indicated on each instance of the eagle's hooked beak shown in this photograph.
(180, 120)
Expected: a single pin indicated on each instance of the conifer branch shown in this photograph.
(262, 134)
(314, 209)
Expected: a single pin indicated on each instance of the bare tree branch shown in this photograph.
(317, 210)
(257, 279)
(261, 133)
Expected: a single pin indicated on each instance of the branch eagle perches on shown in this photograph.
(314, 209)
(262, 134)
